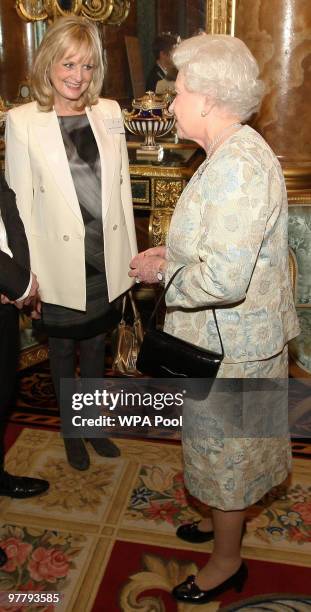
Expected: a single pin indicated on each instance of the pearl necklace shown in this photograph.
(212, 145)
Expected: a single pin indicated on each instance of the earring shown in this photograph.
(203, 113)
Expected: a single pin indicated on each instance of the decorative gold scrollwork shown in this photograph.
(166, 195)
(98, 10)
(167, 192)
(120, 12)
(31, 11)
(159, 223)
(54, 9)
(113, 12)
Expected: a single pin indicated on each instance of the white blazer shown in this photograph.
(37, 170)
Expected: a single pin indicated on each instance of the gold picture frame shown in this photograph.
(220, 16)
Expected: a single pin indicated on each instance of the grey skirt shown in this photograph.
(100, 316)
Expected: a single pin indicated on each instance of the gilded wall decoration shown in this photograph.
(166, 193)
(112, 12)
(220, 16)
(120, 12)
(159, 225)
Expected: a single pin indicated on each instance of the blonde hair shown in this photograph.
(66, 34)
(223, 68)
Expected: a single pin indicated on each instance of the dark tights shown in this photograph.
(63, 358)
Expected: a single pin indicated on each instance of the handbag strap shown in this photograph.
(134, 307)
(136, 313)
(162, 296)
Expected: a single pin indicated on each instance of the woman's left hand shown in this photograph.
(146, 269)
(36, 310)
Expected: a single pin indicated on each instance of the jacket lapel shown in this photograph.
(106, 146)
(50, 139)
(47, 130)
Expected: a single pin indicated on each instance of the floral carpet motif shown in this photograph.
(283, 519)
(38, 560)
(105, 538)
(73, 491)
(159, 497)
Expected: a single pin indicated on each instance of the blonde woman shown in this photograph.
(66, 160)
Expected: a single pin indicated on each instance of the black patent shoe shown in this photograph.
(3, 557)
(77, 454)
(189, 592)
(191, 533)
(105, 447)
(21, 487)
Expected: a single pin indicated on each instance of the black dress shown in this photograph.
(100, 315)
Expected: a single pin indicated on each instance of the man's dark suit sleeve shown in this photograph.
(14, 272)
(155, 75)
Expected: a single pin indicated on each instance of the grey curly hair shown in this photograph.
(223, 68)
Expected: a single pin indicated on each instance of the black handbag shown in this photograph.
(162, 355)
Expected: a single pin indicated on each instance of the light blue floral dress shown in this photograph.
(229, 230)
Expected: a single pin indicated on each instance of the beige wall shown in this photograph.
(278, 32)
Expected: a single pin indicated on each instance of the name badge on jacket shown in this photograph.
(114, 125)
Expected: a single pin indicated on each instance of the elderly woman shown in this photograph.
(66, 160)
(229, 231)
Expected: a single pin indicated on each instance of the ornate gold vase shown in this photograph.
(150, 118)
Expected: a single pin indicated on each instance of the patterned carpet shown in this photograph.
(36, 404)
(105, 538)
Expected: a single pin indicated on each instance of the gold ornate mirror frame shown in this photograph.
(111, 12)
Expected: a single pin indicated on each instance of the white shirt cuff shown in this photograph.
(25, 294)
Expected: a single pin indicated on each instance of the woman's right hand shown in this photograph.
(159, 251)
(146, 265)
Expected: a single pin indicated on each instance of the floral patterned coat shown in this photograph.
(229, 230)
